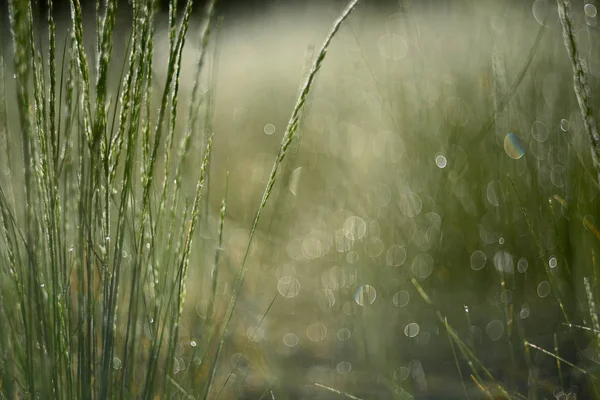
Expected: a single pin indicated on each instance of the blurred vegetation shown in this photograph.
(299, 202)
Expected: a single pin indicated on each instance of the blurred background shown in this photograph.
(434, 215)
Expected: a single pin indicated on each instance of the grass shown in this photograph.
(427, 243)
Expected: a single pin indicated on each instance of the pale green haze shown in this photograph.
(409, 211)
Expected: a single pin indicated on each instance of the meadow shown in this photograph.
(300, 200)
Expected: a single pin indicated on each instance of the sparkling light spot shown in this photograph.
(441, 161)
(522, 265)
(411, 330)
(393, 46)
(288, 286)
(401, 298)
(539, 131)
(401, 374)
(344, 367)
(495, 330)
(269, 129)
(290, 339)
(344, 334)
(543, 289)
(365, 295)
(316, 332)
(478, 260)
(590, 10)
(513, 146)
(395, 256)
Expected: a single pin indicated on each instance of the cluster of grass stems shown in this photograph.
(95, 241)
(88, 228)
